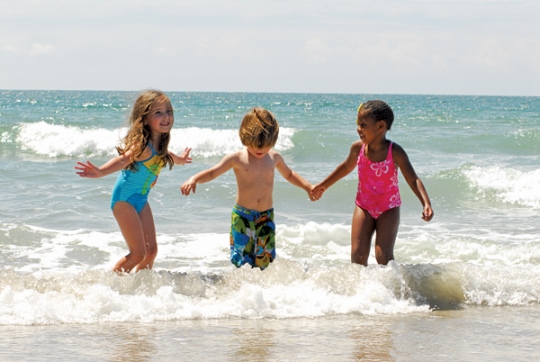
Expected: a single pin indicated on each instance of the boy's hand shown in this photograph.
(317, 192)
(188, 186)
(310, 193)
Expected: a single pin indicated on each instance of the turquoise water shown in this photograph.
(479, 158)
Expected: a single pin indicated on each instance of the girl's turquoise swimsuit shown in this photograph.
(133, 186)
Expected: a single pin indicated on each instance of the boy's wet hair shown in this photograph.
(379, 111)
(259, 129)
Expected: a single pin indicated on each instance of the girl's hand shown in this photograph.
(317, 192)
(183, 158)
(310, 193)
(427, 214)
(188, 186)
(88, 169)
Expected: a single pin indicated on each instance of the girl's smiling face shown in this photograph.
(160, 118)
(368, 129)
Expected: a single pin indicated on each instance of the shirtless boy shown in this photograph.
(252, 237)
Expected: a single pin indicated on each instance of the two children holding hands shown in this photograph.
(252, 235)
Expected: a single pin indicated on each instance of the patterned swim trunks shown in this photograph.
(252, 237)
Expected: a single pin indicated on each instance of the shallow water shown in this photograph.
(470, 334)
(465, 286)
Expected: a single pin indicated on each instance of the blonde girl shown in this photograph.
(143, 153)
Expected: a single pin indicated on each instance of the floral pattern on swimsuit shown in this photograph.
(378, 189)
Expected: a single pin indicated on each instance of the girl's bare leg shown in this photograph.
(362, 229)
(149, 229)
(386, 227)
(132, 229)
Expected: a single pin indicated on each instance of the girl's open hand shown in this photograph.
(183, 158)
(87, 169)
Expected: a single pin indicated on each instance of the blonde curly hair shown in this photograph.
(139, 133)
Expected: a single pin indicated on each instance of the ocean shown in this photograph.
(463, 287)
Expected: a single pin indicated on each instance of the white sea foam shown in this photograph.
(66, 277)
(207, 142)
(510, 185)
(283, 291)
(52, 140)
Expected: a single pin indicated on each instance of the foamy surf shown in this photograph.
(508, 185)
(286, 290)
(66, 278)
(53, 140)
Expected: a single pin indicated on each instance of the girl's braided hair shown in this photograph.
(379, 111)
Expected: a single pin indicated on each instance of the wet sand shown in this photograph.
(469, 334)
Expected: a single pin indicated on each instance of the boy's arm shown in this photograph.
(416, 185)
(115, 164)
(293, 177)
(341, 171)
(183, 158)
(209, 174)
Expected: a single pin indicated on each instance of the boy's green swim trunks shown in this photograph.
(252, 237)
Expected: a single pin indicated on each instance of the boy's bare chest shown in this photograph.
(261, 171)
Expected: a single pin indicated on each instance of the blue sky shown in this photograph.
(482, 47)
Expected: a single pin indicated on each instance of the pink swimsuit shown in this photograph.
(378, 189)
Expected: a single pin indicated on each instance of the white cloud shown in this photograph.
(38, 49)
(316, 46)
(9, 48)
(317, 50)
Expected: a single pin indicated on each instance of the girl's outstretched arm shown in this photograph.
(183, 158)
(209, 174)
(416, 185)
(89, 170)
(341, 171)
